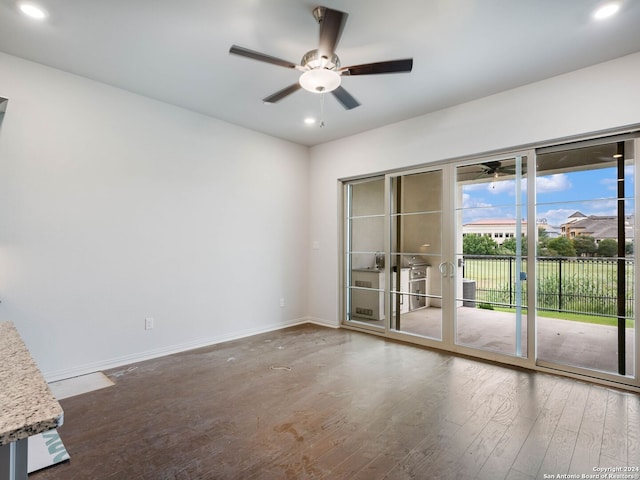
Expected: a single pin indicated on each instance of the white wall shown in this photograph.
(115, 207)
(589, 100)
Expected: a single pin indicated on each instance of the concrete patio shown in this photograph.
(560, 341)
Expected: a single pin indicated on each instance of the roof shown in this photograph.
(599, 226)
(577, 214)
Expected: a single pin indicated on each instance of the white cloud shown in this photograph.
(610, 184)
(502, 186)
(629, 172)
(604, 208)
(552, 183)
(474, 187)
(555, 216)
(476, 208)
(473, 202)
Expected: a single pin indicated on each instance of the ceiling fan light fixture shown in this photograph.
(320, 80)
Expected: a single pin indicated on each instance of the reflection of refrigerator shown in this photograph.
(418, 284)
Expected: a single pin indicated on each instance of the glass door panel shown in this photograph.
(416, 253)
(491, 256)
(365, 282)
(585, 259)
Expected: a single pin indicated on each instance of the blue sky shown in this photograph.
(592, 192)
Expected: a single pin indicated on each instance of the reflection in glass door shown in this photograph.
(365, 280)
(416, 253)
(585, 262)
(491, 256)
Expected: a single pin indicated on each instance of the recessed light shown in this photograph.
(309, 121)
(606, 10)
(32, 10)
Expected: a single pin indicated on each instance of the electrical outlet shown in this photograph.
(282, 302)
(148, 323)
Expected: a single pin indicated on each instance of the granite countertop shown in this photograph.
(27, 406)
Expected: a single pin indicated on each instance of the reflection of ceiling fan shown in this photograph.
(321, 68)
(495, 169)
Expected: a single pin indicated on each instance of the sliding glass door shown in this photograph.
(491, 255)
(585, 265)
(416, 242)
(364, 253)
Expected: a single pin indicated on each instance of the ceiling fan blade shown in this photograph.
(245, 52)
(345, 98)
(392, 66)
(491, 167)
(279, 95)
(331, 25)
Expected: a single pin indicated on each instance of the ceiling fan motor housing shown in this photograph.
(312, 60)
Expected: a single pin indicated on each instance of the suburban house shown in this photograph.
(597, 226)
(280, 299)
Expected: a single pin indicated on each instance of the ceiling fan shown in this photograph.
(321, 69)
(496, 169)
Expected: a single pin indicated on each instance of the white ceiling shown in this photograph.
(176, 51)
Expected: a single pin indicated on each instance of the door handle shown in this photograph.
(444, 267)
(453, 270)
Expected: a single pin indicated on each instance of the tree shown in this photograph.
(561, 246)
(509, 246)
(543, 236)
(585, 245)
(628, 248)
(608, 248)
(475, 244)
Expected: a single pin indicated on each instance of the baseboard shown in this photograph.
(322, 322)
(63, 374)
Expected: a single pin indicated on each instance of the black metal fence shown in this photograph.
(582, 285)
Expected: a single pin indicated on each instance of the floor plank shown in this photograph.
(586, 453)
(557, 460)
(534, 449)
(614, 445)
(633, 432)
(501, 459)
(573, 412)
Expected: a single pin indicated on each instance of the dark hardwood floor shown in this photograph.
(313, 402)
